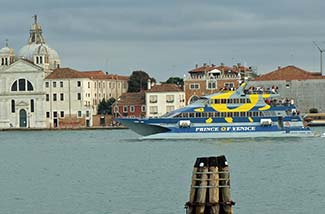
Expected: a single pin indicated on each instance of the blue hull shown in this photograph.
(166, 130)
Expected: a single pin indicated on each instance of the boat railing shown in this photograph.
(260, 92)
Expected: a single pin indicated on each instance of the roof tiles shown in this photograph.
(68, 73)
(289, 73)
(134, 98)
(165, 88)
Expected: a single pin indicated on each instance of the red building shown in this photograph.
(209, 79)
(130, 105)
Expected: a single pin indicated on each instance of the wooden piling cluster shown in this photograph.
(210, 188)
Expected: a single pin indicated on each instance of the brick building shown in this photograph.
(208, 79)
(130, 105)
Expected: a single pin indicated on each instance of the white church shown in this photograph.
(35, 92)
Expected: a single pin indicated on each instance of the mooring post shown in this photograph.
(202, 185)
(210, 187)
(224, 187)
(214, 183)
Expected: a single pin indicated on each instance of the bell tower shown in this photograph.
(7, 55)
(35, 33)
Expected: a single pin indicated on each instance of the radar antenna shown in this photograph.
(321, 56)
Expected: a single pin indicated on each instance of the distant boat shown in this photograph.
(226, 114)
(315, 119)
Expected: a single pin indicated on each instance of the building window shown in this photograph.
(211, 84)
(54, 84)
(29, 86)
(32, 107)
(61, 84)
(88, 84)
(153, 109)
(79, 114)
(125, 109)
(153, 99)
(61, 96)
(132, 108)
(181, 98)
(54, 97)
(143, 108)
(79, 96)
(14, 86)
(47, 84)
(61, 113)
(13, 106)
(47, 114)
(170, 108)
(87, 114)
(194, 86)
(229, 85)
(78, 83)
(22, 84)
(169, 98)
(47, 97)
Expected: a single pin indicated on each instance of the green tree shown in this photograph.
(313, 110)
(138, 81)
(105, 106)
(175, 80)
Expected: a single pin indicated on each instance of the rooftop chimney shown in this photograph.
(149, 84)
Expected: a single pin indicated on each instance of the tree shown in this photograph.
(105, 106)
(175, 80)
(313, 110)
(138, 81)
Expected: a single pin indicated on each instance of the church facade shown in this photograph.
(36, 93)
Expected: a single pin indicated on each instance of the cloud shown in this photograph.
(173, 35)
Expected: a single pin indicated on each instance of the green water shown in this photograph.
(110, 171)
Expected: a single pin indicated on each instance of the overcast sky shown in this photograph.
(167, 38)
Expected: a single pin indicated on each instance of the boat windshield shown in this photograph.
(201, 101)
(168, 114)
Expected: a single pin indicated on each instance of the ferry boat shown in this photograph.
(227, 114)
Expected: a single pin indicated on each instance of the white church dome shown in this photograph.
(37, 47)
(6, 51)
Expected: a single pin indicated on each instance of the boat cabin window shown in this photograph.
(231, 101)
(218, 114)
